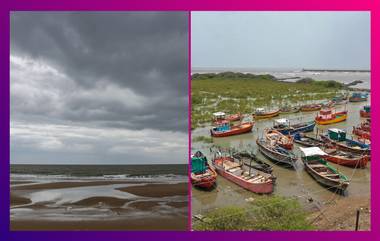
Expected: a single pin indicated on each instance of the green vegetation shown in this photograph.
(237, 92)
(264, 214)
(205, 139)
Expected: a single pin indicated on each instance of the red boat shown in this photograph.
(312, 107)
(346, 158)
(253, 180)
(202, 174)
(278, 138)
(225, 129)
(361, 133)
(365, 112)
(220, 117)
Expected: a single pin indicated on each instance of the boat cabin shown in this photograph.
(337, 134)
(198, 164)
(219, 115)
(260, 110)
(223, 126)
(281, 123)
(367, 108)
(311, 153)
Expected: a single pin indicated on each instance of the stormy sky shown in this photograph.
(99, 88)
(331, 40)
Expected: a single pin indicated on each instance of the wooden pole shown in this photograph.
(357, 220)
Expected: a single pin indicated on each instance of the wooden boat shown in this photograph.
(358, 97)
(337, 138)
(304, 140)
(253, 180)
(340, 98)
(202, 174)
(289, 109)
(312, 107)
(346, 158)
(220, 117)
(276, 153)
(365, 112)
(261, 113)
(362, 132)
(276, 137)
(251, 160)
(328, 104)
(225, 129)
(326, 117)
(321, 171)
(283, 125)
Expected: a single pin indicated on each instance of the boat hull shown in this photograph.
(276, 157)
(263, 188)
(360, 162)
(325, 182)
(204, 182)
(364, 114)
(266, 115)
(237, 130)
(344, 147)
(356, 99)
(291, 131)
(338, 119)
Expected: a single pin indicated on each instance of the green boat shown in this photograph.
(321, 171)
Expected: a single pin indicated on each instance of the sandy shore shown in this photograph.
(157, 190)
(158, 206)
(59, 185)
(176, 223)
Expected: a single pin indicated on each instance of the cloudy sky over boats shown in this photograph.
(330, 40)
(99, 88)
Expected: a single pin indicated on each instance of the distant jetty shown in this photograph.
(336, 70)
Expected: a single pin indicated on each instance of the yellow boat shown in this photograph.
(260, 113)
(326, 117)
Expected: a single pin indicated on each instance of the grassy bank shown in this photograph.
(237, 92)
(264, 214)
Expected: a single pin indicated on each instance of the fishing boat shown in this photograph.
(219, 117)
(252, 179)
(365, 112)
(225, 129)
(328, 104)
(304, 140)
(261, 113)
(362, 131)
(337, 138)
(321, 171)
(252, 160)
(346, 158)
(276, 137)
(340, 102)
(326, 116)
(312, 107)
(202, 174)
(289, 109)
(340, 98)
(283, 125)
(276, 153)
(358, 97)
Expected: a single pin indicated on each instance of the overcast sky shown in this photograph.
(339, 40)
(99, 88)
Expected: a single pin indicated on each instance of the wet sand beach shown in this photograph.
(99, 204)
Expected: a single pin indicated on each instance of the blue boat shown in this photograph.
(358, 97)
(283, 125)
(338, 138)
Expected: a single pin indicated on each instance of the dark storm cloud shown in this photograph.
(126, 70)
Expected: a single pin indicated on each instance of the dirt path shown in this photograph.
(341, 215)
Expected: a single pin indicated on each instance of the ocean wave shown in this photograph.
(42, 177)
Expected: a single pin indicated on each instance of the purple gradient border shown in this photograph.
(190, 5)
